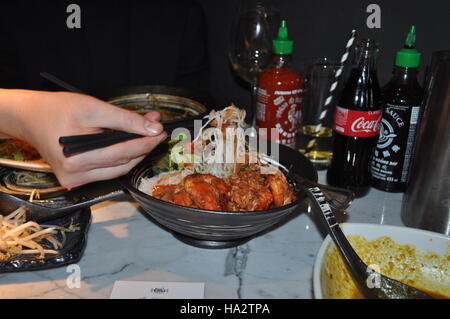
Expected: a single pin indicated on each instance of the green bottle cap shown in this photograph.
(408, 57)
(282, 45)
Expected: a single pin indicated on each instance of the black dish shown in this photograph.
(197, 227)
(177, 100)
(215, 229)
(70, 253)
(211, 244)
(48, 186)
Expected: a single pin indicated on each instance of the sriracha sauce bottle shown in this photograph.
(279, 95)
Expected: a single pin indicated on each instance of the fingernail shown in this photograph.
(153, 127)
(163, 136)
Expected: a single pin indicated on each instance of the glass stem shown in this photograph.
(251, 118)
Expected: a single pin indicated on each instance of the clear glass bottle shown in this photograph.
(356, 122)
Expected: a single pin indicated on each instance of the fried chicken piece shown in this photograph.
(182, 198)
(249, 191)
(207, 191)
(281, 191)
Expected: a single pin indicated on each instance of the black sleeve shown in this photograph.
(11, 75)
(193, 65)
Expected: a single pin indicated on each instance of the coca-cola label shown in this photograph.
(357, 123)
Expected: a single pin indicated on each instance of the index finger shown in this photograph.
(105, 115)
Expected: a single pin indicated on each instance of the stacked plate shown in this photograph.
(23, 183)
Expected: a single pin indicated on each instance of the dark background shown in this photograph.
(36, 39)
(320, 28)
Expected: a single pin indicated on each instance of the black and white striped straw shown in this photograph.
(333, 87)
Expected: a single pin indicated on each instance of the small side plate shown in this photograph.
(70, 253)
(47, 185)
(38, 165)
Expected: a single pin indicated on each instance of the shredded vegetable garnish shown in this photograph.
(215, 149)
(18, 150)
(18, 237)
(220, 144)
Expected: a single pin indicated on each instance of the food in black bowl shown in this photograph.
(218, 219)
(258, 195)
(187, 198)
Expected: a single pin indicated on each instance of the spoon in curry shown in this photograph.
(371, 283)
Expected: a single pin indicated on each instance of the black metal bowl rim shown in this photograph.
(201, 115)
(200, 97)
(126, 183)
(132, 96)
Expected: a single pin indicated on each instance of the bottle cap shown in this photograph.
(408, 57)
(282, 45)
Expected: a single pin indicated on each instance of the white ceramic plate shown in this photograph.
(422, 240)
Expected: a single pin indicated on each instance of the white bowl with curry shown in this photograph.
(415, 257)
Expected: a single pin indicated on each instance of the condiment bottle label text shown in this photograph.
(279, 109)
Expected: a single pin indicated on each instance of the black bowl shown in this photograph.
(214, 229)
(185, 104)
(71, 252)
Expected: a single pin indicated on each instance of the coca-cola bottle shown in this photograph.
(357, 122)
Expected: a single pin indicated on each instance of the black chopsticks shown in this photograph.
(61, 83)
(87, 142)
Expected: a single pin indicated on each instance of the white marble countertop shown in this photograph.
(124, 245)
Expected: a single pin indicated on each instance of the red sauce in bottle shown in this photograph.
(279, 95)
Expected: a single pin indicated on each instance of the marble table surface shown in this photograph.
(124, 245)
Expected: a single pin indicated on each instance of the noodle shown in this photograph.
(34, 195)
(16, 234)
(220, 154)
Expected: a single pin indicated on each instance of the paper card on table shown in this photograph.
(157, 290)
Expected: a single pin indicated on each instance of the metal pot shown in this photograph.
(426, 203)
(179, 107)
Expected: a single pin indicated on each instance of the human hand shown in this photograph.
(45, 116)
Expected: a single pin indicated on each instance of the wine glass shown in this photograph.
(250, 47)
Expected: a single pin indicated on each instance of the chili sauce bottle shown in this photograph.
(279, 94)
(402, 97)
